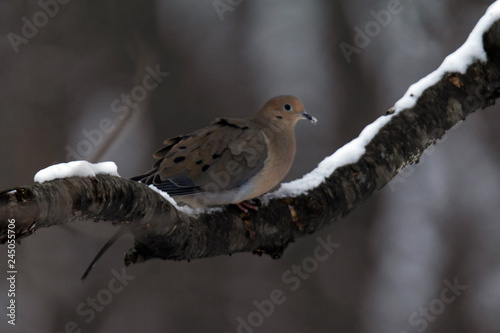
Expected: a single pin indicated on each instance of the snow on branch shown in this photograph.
(468, 80)
(457, 62)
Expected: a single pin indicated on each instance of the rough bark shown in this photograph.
(163, 232)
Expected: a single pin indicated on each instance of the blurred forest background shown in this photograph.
(435, 225)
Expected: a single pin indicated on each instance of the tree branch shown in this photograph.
(163, 232)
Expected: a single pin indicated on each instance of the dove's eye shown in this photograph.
(287, 107)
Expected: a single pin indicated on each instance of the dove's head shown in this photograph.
(285, 109)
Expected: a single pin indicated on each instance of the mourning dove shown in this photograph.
(228, 162)
(232, 160)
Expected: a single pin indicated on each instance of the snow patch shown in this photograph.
(458, 61)
(76, 169)
(347, 154)
(164, 195)
(184, 209)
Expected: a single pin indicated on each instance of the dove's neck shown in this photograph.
(282, 148)
(280, 135)
(283, 143)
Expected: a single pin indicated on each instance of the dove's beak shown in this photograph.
(309, 117)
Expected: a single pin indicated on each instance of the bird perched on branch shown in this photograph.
(231, 160)
(228, 162)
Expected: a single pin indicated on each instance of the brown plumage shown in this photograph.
(231, 160)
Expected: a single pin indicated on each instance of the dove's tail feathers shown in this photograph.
(106, 246)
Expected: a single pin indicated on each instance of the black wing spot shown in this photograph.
(172, 142)
(199, 162)
(182, 147)
(279, 117)
(224, 122)
(205, 167)
(179, 159)
(216, 156)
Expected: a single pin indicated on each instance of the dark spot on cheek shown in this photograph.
(179, 159)
(205, 167)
